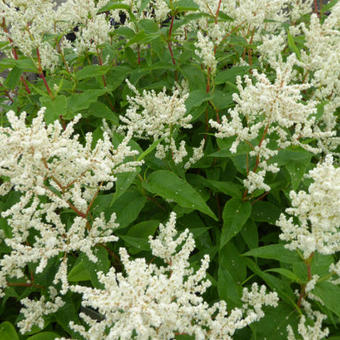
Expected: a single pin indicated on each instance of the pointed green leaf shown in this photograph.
(287, 273)
(235, 215)
(7, 331)
(44, 336)
(274, 252)
(169, 186)
(54, 107)
(13, 78)
(143, 229)
(330, 295)
(265, 212)
(92, 71)
(78, 273)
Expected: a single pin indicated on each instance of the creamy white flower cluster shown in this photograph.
(28, 23)
(54, 171)
(313, 226)
(207, 43)
(317, 212)
(155, 116)
(25, 24)
(156, 10)
(322, 63)
(158, 302)
(93, 29)
(34, 311)
(308, 331)
(267, 111)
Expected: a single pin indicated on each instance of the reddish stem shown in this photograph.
(245, 193)
(316, 8)
(309, 277)
(217, 11)
(171, 53)
(62, 122)
(138, 54)
(208, 80)
(101, 64)
(41, 74)
(63, 57)
(260, 143)
(169, 40)
(23, 284)
(15, 55)
(250, 50)
(7, 94)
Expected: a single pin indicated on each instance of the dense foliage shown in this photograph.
(169, 169)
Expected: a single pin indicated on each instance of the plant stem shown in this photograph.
(309, 277)
(316, 11)
(101, 64)
(42, 76)
(169, 40)
(15, 55)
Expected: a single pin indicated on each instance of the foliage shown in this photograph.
(220, 114)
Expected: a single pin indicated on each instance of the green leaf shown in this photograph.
(185, 337)
(100, 110)
(125, 32)
(79, 272)
(116, 76)
(103, 264)
(292, 46)
(13, 78)
(44, 336)
(143, 38)
(7, 331)
(169, 186)
(287, 273)
(197, 98)
(279, 285)
(230, 74)
(250, 234)
(185, 5)
(327, 6)
(54, 107)
(222, 99)
(66, 314)
(288, 155)
(296, 171)
(149, 149)
(275, 321)
(330, 295)
(92, 71)
(274, 252)
(6, 63)
(45, 278)
(143, 229)
(230, 258)
(128, 206)
(82, 101)
(195, 76)
(26, 65)
(140, 244)
(265, 212)
(227, 289)
(320, 264)
(235, 214)
(149, 26)
(113, 5)
(229, 188)
(123, 182)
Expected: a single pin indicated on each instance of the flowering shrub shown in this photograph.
(169, 169)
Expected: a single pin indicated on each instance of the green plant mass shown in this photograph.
(169, 169)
